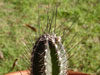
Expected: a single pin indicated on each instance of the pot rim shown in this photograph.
(27, 72)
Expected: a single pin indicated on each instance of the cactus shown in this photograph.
(47, 56)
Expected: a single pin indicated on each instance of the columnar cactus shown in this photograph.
(48, 56)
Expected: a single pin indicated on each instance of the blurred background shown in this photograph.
(14, 14)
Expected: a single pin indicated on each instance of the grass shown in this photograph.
(14, 14)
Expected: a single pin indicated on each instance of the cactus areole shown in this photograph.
(48, 56)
